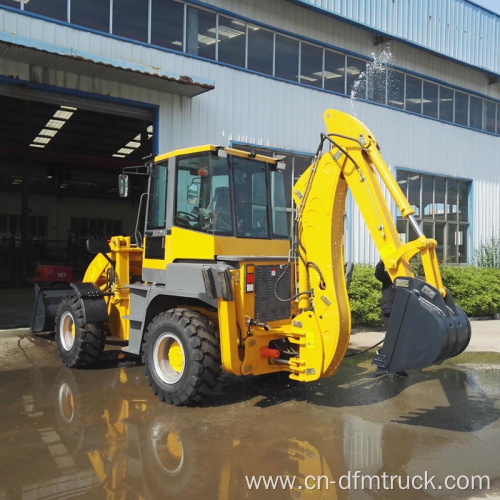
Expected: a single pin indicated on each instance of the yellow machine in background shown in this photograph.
(215, 281)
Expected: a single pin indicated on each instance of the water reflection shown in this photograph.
(102, 434)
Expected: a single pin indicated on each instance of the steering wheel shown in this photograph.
(188, 215)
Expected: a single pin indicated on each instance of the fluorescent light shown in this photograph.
(226, 32)
(125, 151)
(133, 144)
(308, 78)
(415, 177)
(46, 131)
(177, 42)
(63, 115)
(42, 140)
(57, 124)
(206, 40)
(328, 74)
(149, 129)
(70, 108)
(37, 145)
(116, 155)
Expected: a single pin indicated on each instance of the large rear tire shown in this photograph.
(79, 345)
(181, 356)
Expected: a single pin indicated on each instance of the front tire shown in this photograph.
(181, 356)
(79, 345)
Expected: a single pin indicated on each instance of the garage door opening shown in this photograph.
(59, 164)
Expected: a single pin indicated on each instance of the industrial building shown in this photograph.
(90, 86)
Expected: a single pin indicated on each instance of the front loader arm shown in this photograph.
(353, 162)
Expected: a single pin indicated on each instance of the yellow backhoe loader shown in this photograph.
(214, 282)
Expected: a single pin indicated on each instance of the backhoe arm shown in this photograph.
(353, 162)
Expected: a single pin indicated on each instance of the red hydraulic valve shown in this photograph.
(267, 352)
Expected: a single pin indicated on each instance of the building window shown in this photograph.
(260, 50)
(430, 101)
(489, 116)
(11, 230)
(476, 112)
(413, 94)
(286, 58)
(83, 228)
(130, 19)
(11, 3)
(461, 108)
(231, 41)
(445, 104)
(376, 82)
(334, 74)
(200, 33)
(356, 86)
(311, 65)
(56, 9)
(167, 24)
(91, 14)
(396, 89)
(441, 207)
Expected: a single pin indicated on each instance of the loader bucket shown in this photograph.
(47, 298)
(424, 328)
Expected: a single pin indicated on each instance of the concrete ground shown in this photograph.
(101, 433)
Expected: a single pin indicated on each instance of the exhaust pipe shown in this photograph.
(424, 329)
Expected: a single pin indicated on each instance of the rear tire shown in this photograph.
(79, 345)
(181, 356)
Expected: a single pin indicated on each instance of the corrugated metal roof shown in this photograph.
(457, 29)
(22, 49)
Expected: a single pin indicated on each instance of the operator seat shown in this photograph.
(222, 209)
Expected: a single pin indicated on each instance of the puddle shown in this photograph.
(102, 433)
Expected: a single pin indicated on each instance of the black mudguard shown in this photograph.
(424, 328)
(93, 302)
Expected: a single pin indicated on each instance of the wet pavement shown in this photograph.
(101, 433)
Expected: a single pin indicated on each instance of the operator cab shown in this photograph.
(219, 191)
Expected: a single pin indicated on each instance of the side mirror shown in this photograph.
(123, 185)
(192, 193)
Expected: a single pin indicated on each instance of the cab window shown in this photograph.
(203, 202)
(250, 190)
(158, 197)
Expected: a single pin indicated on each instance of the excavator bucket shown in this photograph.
(424, 328)
(47, 298)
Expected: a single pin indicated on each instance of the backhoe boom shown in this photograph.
(354, 162)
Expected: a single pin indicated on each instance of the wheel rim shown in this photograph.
(66, 403)
(67, 331)
(168, 357)
(167, 448)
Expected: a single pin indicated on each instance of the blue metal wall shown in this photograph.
(457, 29)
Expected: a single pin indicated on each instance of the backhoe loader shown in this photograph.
(215, 282)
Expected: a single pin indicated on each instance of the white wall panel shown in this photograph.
(262, 111)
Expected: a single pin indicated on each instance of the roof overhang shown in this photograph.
(26, 50)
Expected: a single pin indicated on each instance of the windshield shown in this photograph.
(203, 201)
(206, 199)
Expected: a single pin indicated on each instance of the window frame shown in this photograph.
(446, 221)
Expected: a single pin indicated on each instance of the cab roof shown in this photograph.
(211, 147)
